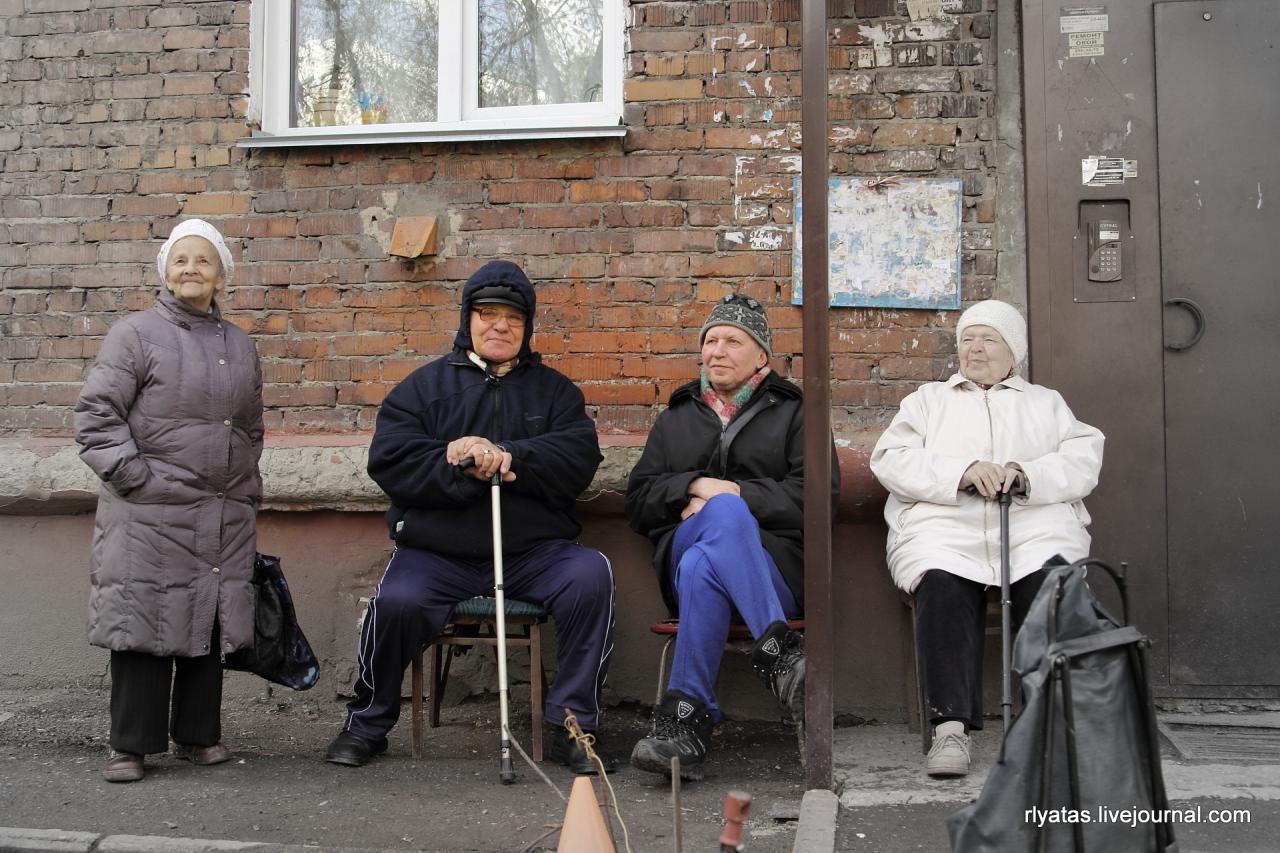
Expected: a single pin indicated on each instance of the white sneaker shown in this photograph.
(949, 755)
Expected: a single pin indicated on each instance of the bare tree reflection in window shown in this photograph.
(371, 51)
(540, 52)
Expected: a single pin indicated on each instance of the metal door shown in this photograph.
(1218, 110)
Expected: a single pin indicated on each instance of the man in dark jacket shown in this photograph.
(491, 401)
(719, 491)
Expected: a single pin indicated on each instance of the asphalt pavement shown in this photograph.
(278, 796)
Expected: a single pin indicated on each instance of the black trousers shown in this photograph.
(950, 628)
(143, 715)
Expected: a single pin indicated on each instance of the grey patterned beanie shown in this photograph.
(745, 313)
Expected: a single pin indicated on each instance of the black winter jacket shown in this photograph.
(533, 411)
(761, 449)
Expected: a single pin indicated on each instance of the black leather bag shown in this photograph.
(280, 653)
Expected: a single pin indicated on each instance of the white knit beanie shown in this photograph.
(1002, 317)
(197, 228)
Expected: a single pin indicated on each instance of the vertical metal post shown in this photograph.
(814, 170)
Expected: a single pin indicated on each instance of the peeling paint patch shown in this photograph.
(877, 35)
(767, 239)
(1259, 195)
(844, 134)
(736, 237)
(370, 217)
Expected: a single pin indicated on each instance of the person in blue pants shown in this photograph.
(719, 490)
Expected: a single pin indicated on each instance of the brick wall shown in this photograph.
(118, 118)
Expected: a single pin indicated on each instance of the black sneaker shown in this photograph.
(681, 729)
(778, 658)
(565, 750)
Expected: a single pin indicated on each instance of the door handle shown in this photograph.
(1196, 314)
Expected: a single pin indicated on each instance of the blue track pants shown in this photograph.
(721, 574)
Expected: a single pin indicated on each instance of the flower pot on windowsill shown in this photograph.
(324, 113)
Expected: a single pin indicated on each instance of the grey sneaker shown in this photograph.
(949, 756)
(681, 729)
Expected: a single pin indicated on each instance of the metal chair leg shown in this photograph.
(417, 704)
(662, 669)
(537, 687)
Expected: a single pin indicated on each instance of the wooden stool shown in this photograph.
(739, 639)
(527, 620)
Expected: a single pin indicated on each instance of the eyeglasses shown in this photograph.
(514, 319)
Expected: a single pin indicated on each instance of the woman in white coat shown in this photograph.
(951, 449)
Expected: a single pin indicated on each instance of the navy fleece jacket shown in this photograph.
(533, 411)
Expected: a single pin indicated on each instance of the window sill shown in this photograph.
(356, 135)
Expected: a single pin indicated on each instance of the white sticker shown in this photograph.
(1083, 19)
(1075, 40)
(1102, 171)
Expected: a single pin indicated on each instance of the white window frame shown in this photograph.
(459, 118)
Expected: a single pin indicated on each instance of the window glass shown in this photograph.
(365, 62)
(540, 52)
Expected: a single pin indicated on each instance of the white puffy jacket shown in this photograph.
(944, 427)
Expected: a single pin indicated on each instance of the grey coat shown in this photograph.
(170, 419)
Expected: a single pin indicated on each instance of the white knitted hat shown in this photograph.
(197, 228)
(1002, 317)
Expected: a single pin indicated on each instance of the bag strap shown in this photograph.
(1117, 577)
(1090, 643)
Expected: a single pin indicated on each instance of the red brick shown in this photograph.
(755, 263)
(649, 266)
(281, 396)
(364, 393)
(662, 140)
(578, 216)
(587, 368)
(583, 341)
(366, 344)
(543, 167)
(341, 322)
(486, 219)
(49, 371)
(662, 90)
(532, 192)
(658, 115)
(619, 393)
(605, 191)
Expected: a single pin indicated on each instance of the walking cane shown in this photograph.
(505, 771)
(1006, 612)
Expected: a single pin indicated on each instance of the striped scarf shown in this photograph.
(727, 409)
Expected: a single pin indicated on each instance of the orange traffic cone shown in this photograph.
(584, 830)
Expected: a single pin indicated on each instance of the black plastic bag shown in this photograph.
(280, 653)
(1079, 768)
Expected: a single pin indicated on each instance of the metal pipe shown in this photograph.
(814, 171)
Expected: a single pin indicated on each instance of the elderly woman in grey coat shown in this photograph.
(170, 419)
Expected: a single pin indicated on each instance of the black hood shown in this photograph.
(497, 274)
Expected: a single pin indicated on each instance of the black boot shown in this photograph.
(681, 729)
(778, 658)
(565, 750)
